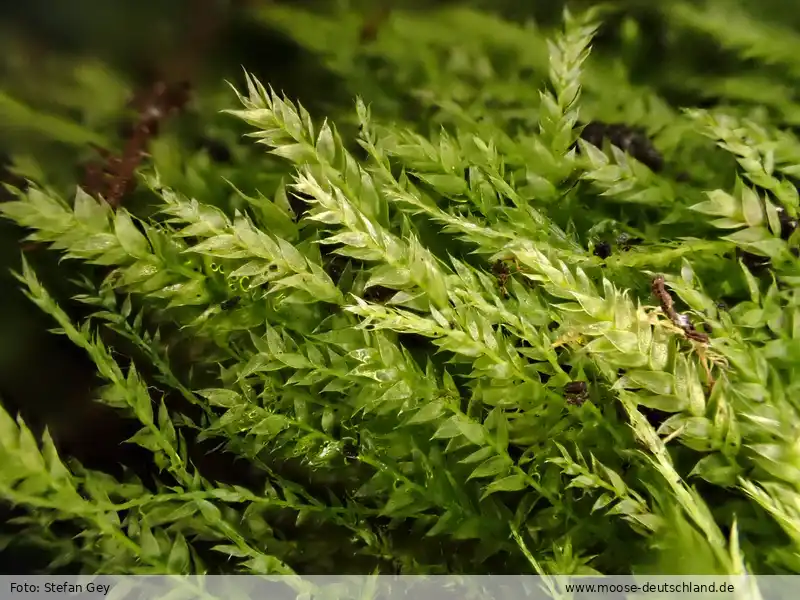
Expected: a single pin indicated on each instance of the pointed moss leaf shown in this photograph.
(93, 214)
(726, 223)
(654, 381)
(716, 469)
(752, 284)
(221, 246)
(400, 499)
(773, 218)
(602, 345)
(178, 560)
(165, 424)
(664, 402)
(604, 500)
(448, 429)
(55, 467)
(230, 550)
(221, 397)
(147, 439)
(399, 391)
(470, 528)
(295, 361)
(501, 431)
(328, 217)
(511, 483)
(752, 208)
(624, 341)
(757, 240)
(439, 318)
(584, 482)
(478, 455)
(261, 363)
(696, 433)
(357, 239)
(448, 185)
(296, 153)
(209, 511)
(326, 147)
(389, 276)
(28, 450)
(494, 466)
(130, 238)
(271, 426)
(292, 256)
(689, 386)
(149, 545)
(443, 524)
(719, 203)
(474, 432)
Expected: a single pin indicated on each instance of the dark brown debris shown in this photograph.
(372, 25)
(602, 250)
(113, 178)
(667, 306)
(576, 393)
(633, 140)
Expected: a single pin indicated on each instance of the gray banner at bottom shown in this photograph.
(250, 587)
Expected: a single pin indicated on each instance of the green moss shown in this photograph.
(383, 314)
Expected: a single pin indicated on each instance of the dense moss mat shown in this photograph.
(440, 288)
